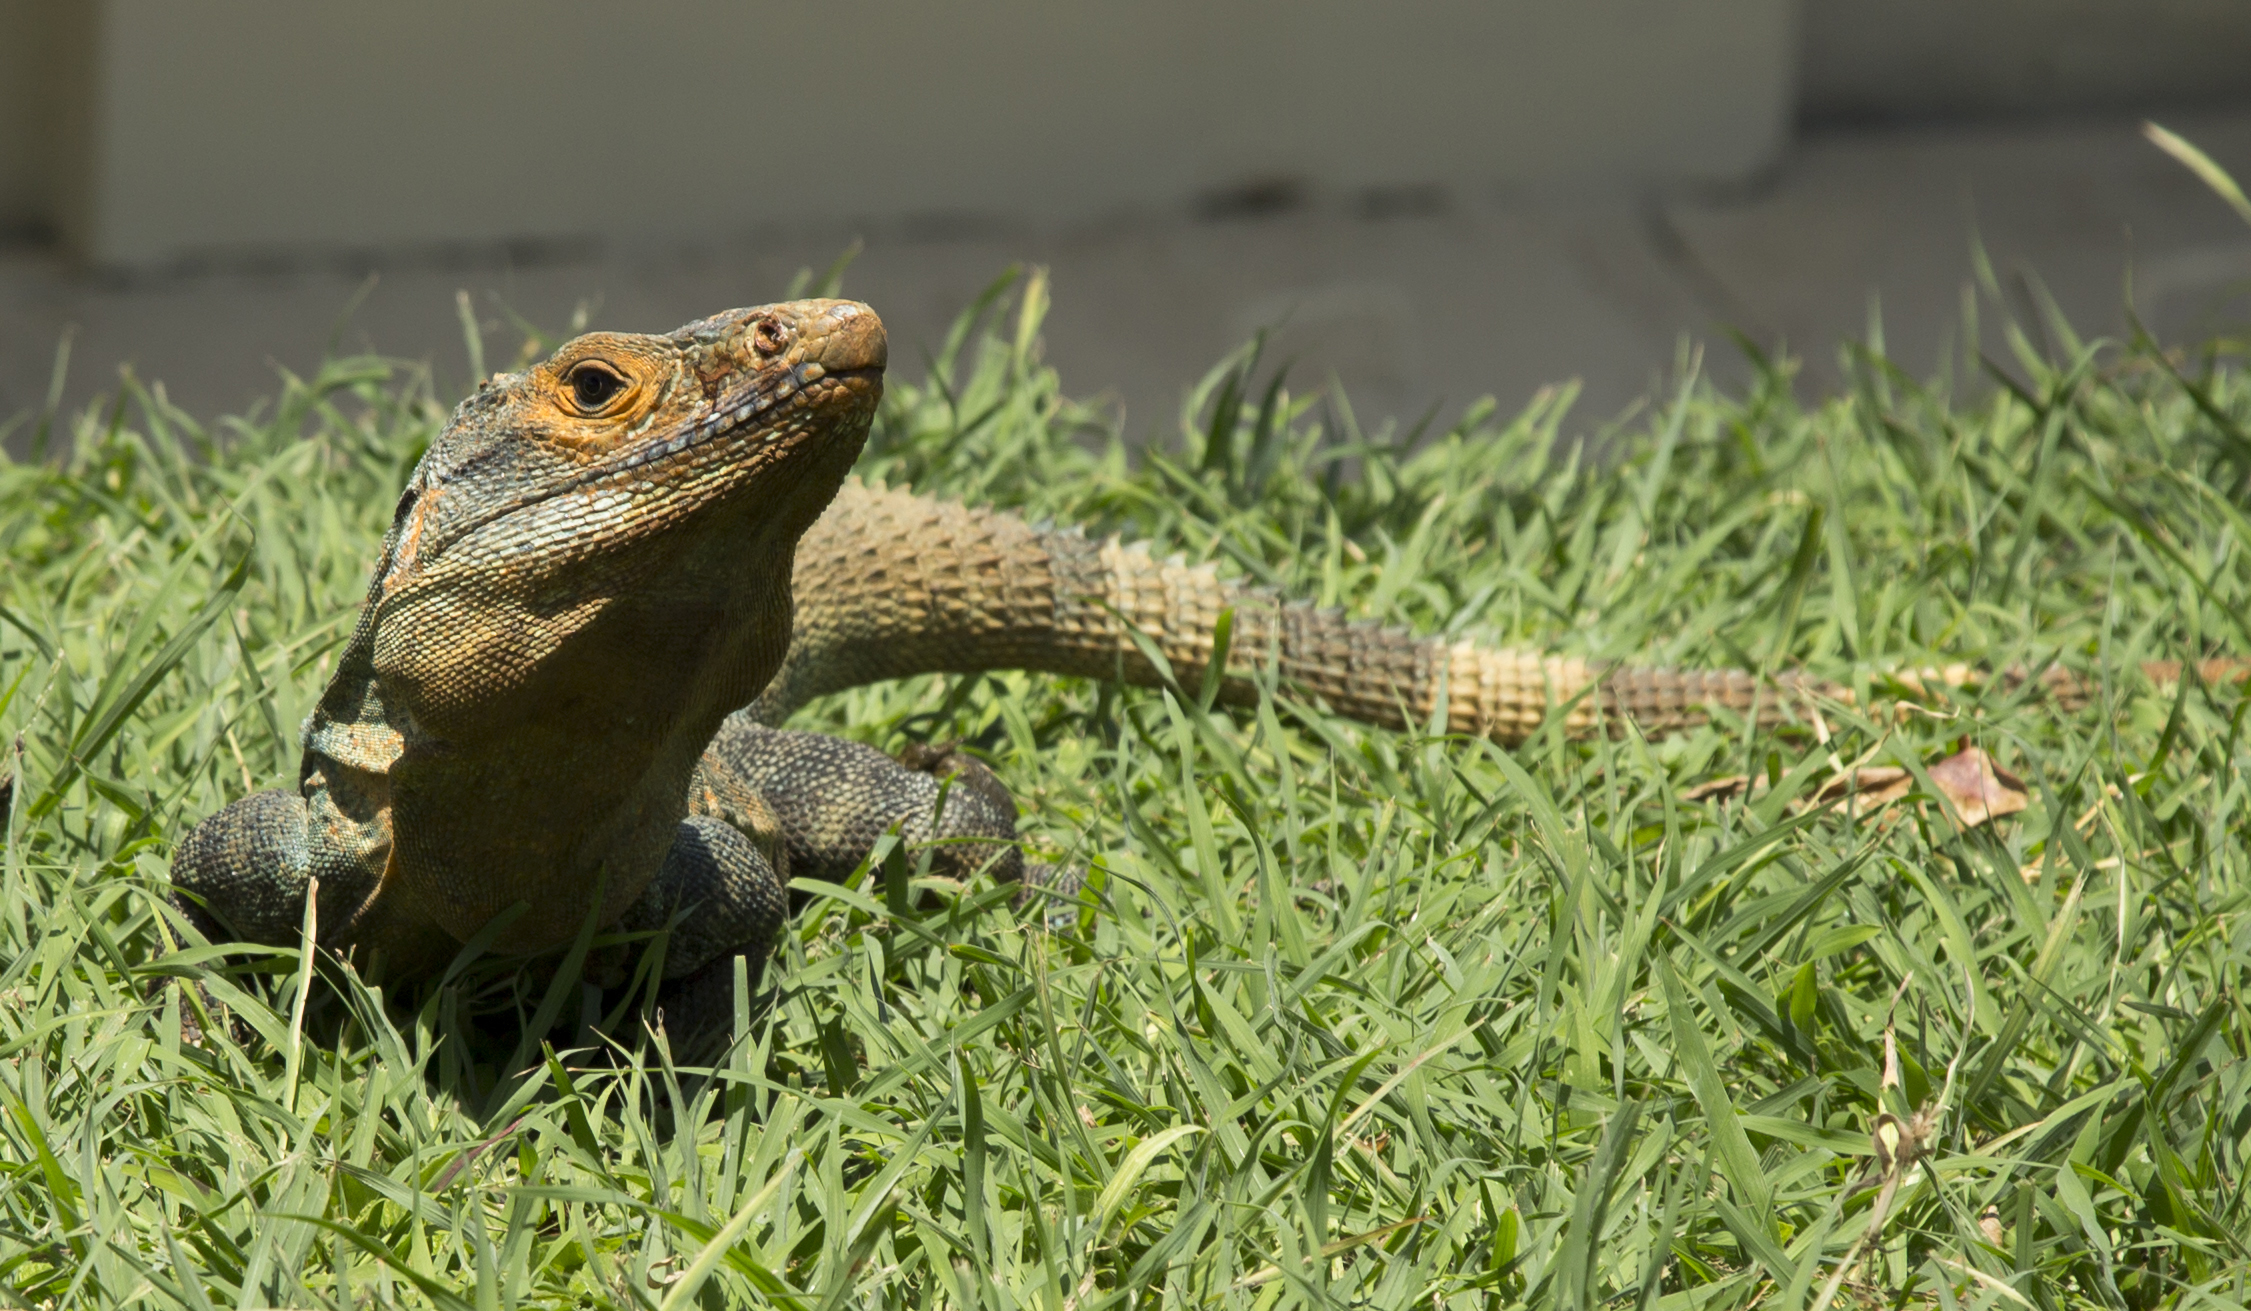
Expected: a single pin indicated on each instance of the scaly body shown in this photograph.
(560, 696)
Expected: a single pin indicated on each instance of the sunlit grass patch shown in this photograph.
(1360, 1018)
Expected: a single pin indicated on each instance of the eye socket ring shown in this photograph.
(594, 385)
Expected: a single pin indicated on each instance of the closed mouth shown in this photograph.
(760, 401)
(771, 398)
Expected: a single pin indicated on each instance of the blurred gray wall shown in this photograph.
(155, 132)
(46, 54)
(1458, 198)
(1879, 61)
(148, 131)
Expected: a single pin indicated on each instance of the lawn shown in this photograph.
(1361, 1017)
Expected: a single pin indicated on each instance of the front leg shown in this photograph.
(767, 804)
(241, 874)
(723, 893)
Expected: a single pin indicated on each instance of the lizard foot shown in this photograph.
(1057, 891)
(834, 800)
(722, 899)
(241, 875)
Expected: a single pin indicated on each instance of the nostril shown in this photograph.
(768, 338)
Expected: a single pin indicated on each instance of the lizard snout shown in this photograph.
(842, 336)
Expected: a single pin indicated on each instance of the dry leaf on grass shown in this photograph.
(1975, 788)
(1978, 789)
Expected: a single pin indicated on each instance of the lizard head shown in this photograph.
(631, 433)
(643, 493)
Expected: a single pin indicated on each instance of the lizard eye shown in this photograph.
(594, 385)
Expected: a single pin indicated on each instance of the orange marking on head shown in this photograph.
(406, 553)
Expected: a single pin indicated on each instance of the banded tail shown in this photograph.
(889, 584)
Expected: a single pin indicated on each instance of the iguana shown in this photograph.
(562, 694)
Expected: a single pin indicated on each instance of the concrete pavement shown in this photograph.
(1408, 297)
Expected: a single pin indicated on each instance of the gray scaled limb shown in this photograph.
(241, 874)
(722, 891)
(833, 800)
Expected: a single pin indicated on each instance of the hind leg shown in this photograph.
(833, 800)
(773, 804)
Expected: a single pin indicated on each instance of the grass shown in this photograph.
(1363, 1018)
